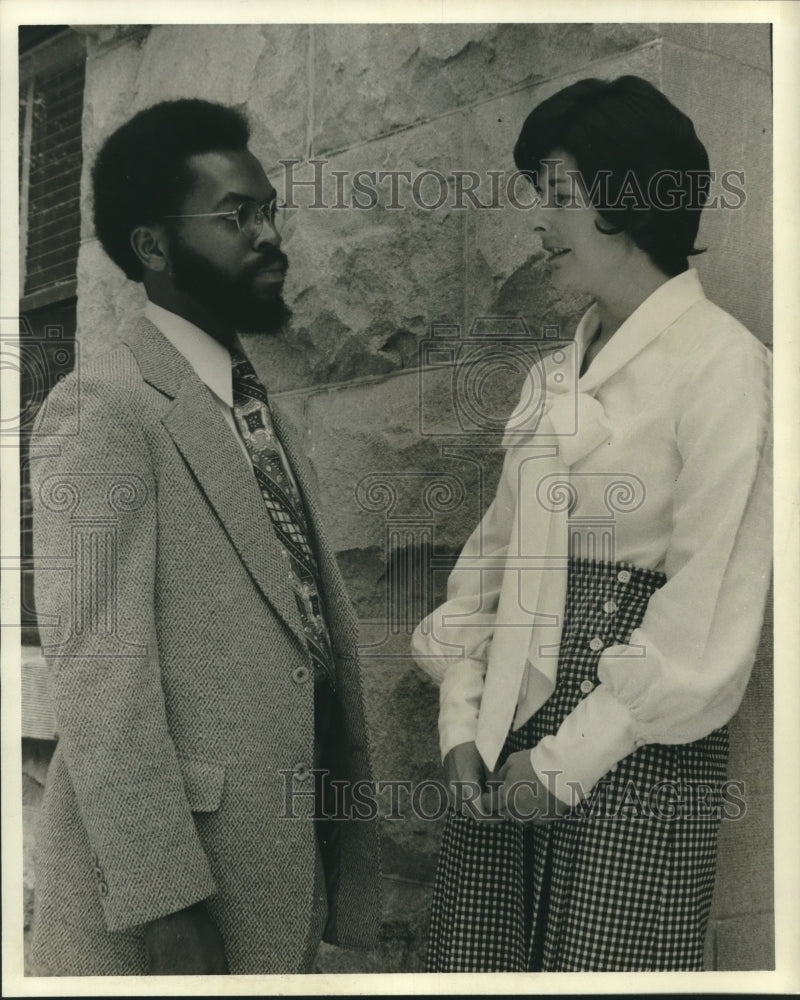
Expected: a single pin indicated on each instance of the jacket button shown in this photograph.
(624, 575)
(596, 644)
(610, 607)
(102, 888)
(93, 860)
(587, 686)
(302, 771)
(300, 675)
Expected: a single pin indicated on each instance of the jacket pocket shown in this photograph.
(204, 783)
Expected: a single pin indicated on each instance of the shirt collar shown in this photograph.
(658, 311)
(210, 360)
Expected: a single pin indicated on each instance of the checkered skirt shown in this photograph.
(624, 881)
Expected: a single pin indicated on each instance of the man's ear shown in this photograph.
(150, 246)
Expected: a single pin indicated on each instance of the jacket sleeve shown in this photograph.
(683, 673)
(95, 531)
(451, 645)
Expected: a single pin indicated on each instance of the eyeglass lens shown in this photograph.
(251, 216)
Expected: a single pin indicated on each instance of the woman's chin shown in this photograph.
(560, 279)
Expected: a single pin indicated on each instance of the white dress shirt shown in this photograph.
(211, 362)
(665, 445)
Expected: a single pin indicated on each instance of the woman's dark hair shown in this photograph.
(140, 174)
(637, 154)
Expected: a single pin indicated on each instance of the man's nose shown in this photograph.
(267, 234)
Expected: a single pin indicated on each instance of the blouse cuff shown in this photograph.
(459, 701)
(594, 737)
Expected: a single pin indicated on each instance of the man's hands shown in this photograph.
(186, 943)
(515, 791)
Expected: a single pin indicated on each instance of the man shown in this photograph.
(201, 645)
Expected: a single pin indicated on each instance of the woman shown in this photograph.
(602, 620)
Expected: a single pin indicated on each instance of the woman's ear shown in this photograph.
(149, 245)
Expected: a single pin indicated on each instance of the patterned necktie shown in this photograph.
(251, 411)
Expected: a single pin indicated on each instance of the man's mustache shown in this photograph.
(270, 257)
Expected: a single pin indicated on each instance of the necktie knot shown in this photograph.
(246, 383)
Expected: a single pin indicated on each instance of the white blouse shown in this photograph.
(665, 445)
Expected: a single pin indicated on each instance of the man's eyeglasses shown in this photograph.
(249, 217)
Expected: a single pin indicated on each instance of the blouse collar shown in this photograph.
(658, 312)
(556, 401)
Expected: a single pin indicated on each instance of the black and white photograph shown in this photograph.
(400, 499)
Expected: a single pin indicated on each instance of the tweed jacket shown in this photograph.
(181, 682)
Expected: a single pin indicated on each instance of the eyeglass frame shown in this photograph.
(233, 214)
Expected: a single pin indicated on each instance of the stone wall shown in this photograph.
(401, 464)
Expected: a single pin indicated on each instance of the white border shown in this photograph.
(785, 18)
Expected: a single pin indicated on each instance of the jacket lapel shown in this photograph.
(202, 436)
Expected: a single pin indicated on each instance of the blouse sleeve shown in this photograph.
(451, 645)
(684, 671)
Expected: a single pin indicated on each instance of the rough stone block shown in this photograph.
(403, 935)
(744, 865)
(736, 130)
(215, 62)
(377, 469)
(693, 35)
(365, 283)
(746, 943)
(440, 67)
(751, 729)
(710, 949)
(403, 707)
(277, 93)
(745, 858)
(746, 44)
(106, 300)
(110, 91)
(36, 756)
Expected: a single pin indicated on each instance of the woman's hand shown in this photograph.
(465, 774)
(523, 795)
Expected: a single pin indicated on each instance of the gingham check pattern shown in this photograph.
(251, 411)
(607, 888)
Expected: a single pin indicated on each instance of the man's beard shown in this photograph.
(233, 300)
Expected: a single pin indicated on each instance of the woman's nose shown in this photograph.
(540, 221)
